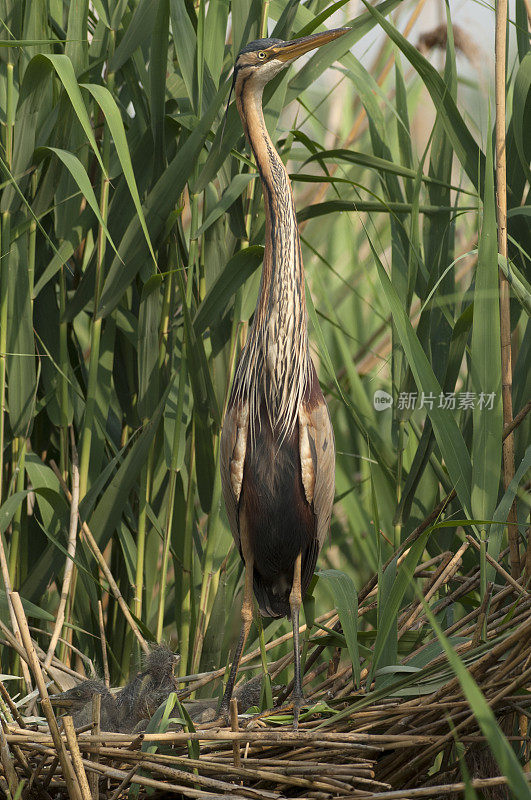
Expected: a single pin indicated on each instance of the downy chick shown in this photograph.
(78, 702)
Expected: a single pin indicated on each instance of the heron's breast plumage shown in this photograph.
(278, 492)
(279, 521)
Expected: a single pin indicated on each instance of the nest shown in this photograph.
(365, 741)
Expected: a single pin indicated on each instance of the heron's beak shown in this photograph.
(60, 700)
(297, 47)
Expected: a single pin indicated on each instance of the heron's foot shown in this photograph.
(294, 706)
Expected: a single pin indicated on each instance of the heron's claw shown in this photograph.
(294, 705)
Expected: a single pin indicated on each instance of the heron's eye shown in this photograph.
(262, 55)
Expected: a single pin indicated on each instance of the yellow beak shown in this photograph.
(297, 47)
(59, 700)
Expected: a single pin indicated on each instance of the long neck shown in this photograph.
(279, 336)
(282, 257)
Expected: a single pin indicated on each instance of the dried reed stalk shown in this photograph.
(105, 770)
(123, 785)
(91, 541)
(6, 760)
(498, 567)
(445, 575)
(235, 727)
(6, 697)
(71, 554)
(77, 761)
(445, 789)
(7, 588)
(264, 772)
(106, 673)
(95, 731)
(35, 666)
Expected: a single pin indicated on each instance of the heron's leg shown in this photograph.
(247, 618)
(295, 601)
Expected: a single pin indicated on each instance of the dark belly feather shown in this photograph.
(279, 520)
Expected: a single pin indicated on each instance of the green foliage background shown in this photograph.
(131, 242)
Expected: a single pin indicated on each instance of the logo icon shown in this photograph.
(381, 400)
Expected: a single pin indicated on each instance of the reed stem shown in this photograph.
(18, 456)
(505, 315)
(143, 503)
(95, 331)
(186, 579)
(171, 495)
(263, 18)
(5, 239)
(208, 563)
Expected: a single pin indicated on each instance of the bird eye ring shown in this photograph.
(262, 55)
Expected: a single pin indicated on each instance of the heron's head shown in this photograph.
(79, 695)
(261, 60)
(159, 665)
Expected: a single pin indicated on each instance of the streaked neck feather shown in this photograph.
(275, 363)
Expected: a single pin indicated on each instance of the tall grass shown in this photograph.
(131, 241)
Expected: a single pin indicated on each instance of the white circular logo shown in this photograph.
(381, 400)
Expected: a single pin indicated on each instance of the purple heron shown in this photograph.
(277, 454)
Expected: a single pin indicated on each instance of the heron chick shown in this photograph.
(140, 698)
(156, 681)
(122, 711)
(78, 703)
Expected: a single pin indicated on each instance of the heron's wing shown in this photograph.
(317, 452)
(233, 447)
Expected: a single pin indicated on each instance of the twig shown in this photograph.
(265, 771)
(17, 752)
(95, 731)
(33, 661)
(480, 624)
(18, 648)
(71, 554)
(165, 786)
(33, 780)
(51, 772)
(87, 662)
(499, 568)
(12, 707)
(106, 674)
(68, 725)
(446, 573)
(235, 727)
(449, 788)
(7, 587)
(521, 633)
(185, 777)
(528, 556)
(126, 781)
(6, 761)
(104, 568)
(361, 741)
